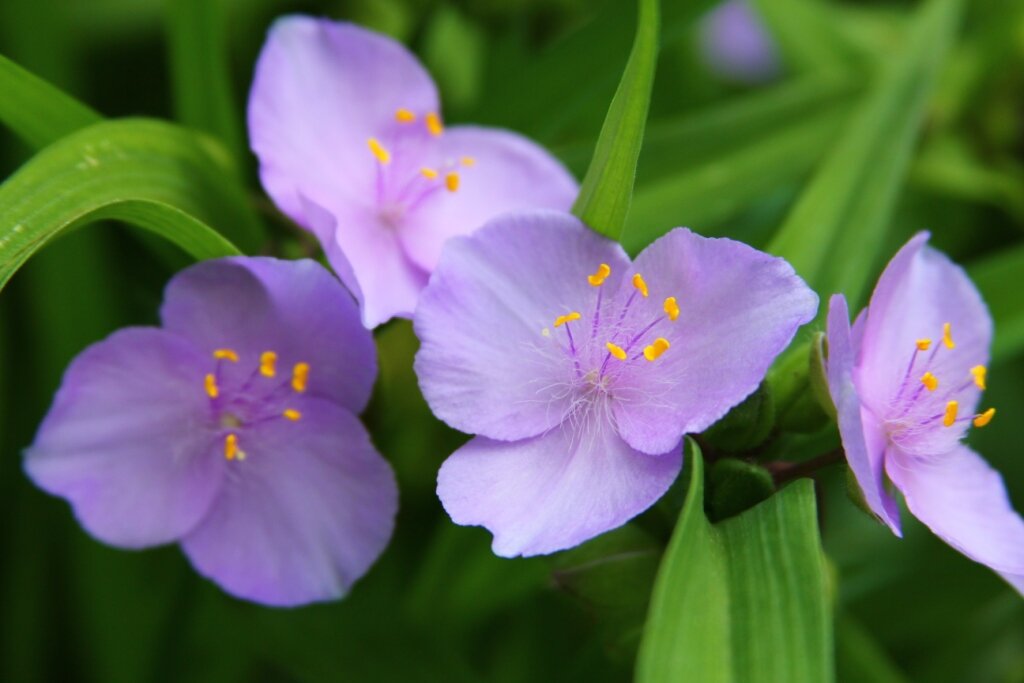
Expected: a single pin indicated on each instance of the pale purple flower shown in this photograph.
(347, 127)
(230, 429)
(906, 381)
(580, 371)
(735, 43)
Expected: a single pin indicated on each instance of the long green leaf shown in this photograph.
(847, 206)
(148, 173)
(741, 601)
(608, 186)
(999, 277)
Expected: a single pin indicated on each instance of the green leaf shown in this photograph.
(860, 658)
(998, 277)
(36, 111)
(151, 174)
(847, 207)
(805, 32)
(742, 601)
(608, 186)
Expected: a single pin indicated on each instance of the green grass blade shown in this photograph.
(608, 185)
(152, 174)
(998, 277)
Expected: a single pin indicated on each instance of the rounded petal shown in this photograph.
(739, 308)
(485, 365)
(303, 516)
(126, 440)
(964, 502)
(553, 491)
(321, 90)
(294, 308)
(500, 171)
(864, 441)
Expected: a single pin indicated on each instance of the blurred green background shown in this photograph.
(723, 157)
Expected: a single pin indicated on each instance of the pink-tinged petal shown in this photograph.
(864, 441)
(919, 291)
(739, 308)
(964, 502)
(321, 90)
(487, 363)
(303, 516)
(127, 440)
(295, 308)
(498, 171)
(553, 491)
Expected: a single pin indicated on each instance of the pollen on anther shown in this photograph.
(616, 350)
(567, 318)
(947, 336)
(383, 156)
(640, 285)
(434, 125)
(671, 308)
(405, 116)
(451, 181)
(210, 384)
(226, 354)
(268, 363)
(300, 377)
(653, 351)
(930, 381)
(979, 373)
(231, 446)
(598, 278)
(292, 414)
(428, 173)
(923, 344)
(984, 418)
(950, 416)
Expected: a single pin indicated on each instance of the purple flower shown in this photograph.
(906, 381)
(232, 430)
(580, 371)
(736, 44)
(347, 127)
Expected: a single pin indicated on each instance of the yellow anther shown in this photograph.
(292, 414)
(404, 116)
(598, 278)
(984, 418)
(467, 161)
(428, 173)
(930, 381)
(567, 318)
(451, 181)
(434, 126)
(923, 344)
(300, 376)
(383, 156)
(210, 383)
(226, 354)
(654, 350)
(231, 446)
(641, 286)
(268, 363)
(671, 308)
(950, 417)
(979, 372)
(616, 351)
(947, 337)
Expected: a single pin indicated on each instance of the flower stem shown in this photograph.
(783, 471)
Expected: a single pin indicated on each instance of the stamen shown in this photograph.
(923, 344)
(428, 173)
(947, 337)
(405, 116)
(467, 161)
(671, 308)
(383, 156)
(226, 354)
(979, 372)
(567, 318)
(210, 384)
(984, 418)
(268, 363)
(451, 181)
(653, 351)
(231, 446)
(616, 351)
(930, 381)
(292, 414)
(300, 377)
(641, 286)
(950, 417)
(598, 278)
(434, 126)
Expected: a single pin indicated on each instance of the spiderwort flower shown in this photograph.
(580, 371)
(735, 43)
(232, 430)
(347, 127)
(906, 381)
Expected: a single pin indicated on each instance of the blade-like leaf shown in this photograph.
(744, 600)
(998, 277)
(846, 208)
(608, 185)
(148, 173)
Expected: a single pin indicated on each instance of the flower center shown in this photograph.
(260, 397)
